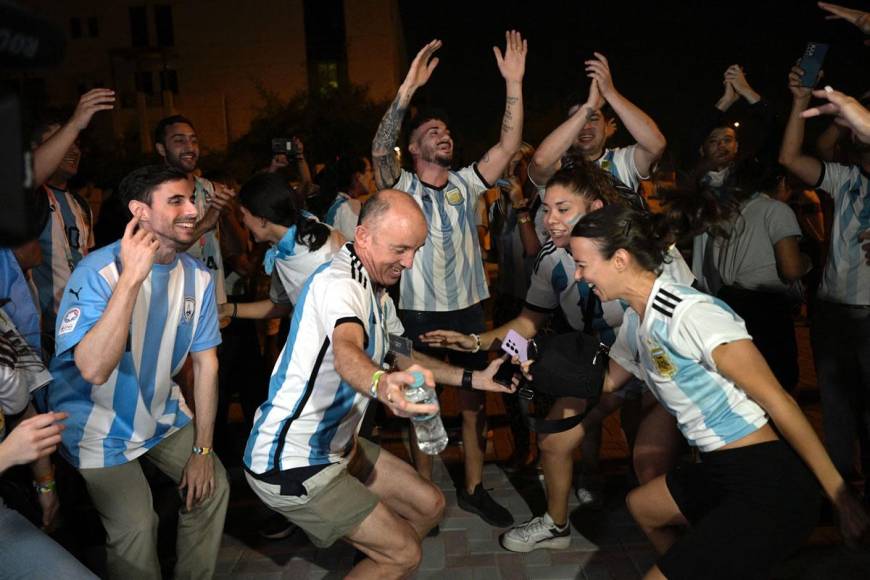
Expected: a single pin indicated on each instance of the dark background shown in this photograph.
(666, 57)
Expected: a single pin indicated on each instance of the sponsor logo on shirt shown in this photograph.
(69, 321)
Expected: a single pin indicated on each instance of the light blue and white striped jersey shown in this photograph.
(847, 278)
(312, 415)
(671, 350)
(66, 238)
(296, 262)
(207, 249)
(343, 215)
(140, 404)
(448, 270)
(553, 286)
(618, 162)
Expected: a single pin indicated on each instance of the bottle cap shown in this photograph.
(418, 379)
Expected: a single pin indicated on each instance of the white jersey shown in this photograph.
(140, 404)
(671, 350)
(293, 268)
(343, 215)
(312, 415)
(207, 249)
(553, 286)
(448, 270)
(64, 241)
(846, 279)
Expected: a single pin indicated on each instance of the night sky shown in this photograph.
(666, 57)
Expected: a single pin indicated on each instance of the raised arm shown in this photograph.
(512, 67)
(650, 141)
(385, 162)
(99, 351)
(791, 156)
(548, 156)
(848, 112)
(858, 18)
(47, 157)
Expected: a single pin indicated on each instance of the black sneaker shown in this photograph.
(482, 504)
(276, 527)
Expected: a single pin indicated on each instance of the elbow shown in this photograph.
(659, 146)
(91, 372)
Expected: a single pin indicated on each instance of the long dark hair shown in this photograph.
(267, 196)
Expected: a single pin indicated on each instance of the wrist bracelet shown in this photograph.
(203, 450)
(476, 338)
(466, 378)
(45, 486)
(235, 309)
(524, 219)
(45, 478)
(376, 379)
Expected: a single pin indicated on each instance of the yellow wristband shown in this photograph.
(202, 450)
(376, 379)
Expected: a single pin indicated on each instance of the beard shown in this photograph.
(443, 159)
(185, 165)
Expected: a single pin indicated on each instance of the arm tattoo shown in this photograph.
(385, 161)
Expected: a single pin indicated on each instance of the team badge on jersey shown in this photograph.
(189, 308)
(454, 196)
(663, 363)
(69, 321)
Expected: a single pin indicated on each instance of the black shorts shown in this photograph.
(748, 509)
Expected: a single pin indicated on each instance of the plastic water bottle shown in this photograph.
(431, 436)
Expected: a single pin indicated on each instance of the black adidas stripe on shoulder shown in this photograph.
(356, 271)
(546, 250)
(665, 302)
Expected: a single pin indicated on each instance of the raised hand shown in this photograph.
(89, 103)
(859, 18)
(422, 66)
(847, 111)
(222, 197)
(512, 65)
(138, 250)
(598, 69)
(449, 339)
(594, 101)
(33, 438)
(794, 84)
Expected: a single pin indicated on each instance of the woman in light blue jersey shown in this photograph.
(299, 244)
(750, 500)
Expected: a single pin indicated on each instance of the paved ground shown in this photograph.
(605, 543)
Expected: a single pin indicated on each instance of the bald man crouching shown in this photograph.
(304, 458)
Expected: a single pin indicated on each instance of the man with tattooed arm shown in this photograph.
(447, 283)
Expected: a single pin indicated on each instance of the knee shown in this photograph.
(409, 556)
(435, 504)
(557, 444)
(134, 528)
(633, 503)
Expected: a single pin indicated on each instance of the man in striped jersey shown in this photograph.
(68, 235)
(304, 458)
(840, 329)
(447, 283)
(586, 131)
(131, 313)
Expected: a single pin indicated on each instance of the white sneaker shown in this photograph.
(539, 532)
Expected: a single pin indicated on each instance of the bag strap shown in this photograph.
(526, 395)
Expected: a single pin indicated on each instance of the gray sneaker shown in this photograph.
(539, 532)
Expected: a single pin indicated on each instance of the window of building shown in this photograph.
(75, 28)
(163, 25)
(169, 81)
(325, 45)
(93, 27)
(144, 82)
(138, 26)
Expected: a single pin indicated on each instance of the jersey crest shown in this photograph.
(454, 196)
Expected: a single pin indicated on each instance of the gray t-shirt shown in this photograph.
(747, 258)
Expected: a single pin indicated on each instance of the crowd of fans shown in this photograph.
(311, 296)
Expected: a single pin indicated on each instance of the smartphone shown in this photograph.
(505, 373)
(811, 62)
(516, 345)
(283, 145)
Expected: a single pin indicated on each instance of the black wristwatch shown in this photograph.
(466, 379)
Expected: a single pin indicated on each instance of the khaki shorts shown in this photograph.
(337, 500)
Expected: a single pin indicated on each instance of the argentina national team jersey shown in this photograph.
(448, 270)
(343, 215)
(311, 415)
(140, 405)
(207, 249)
(672, 351)
(64, 241)
(553, 286)
(846, 278)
